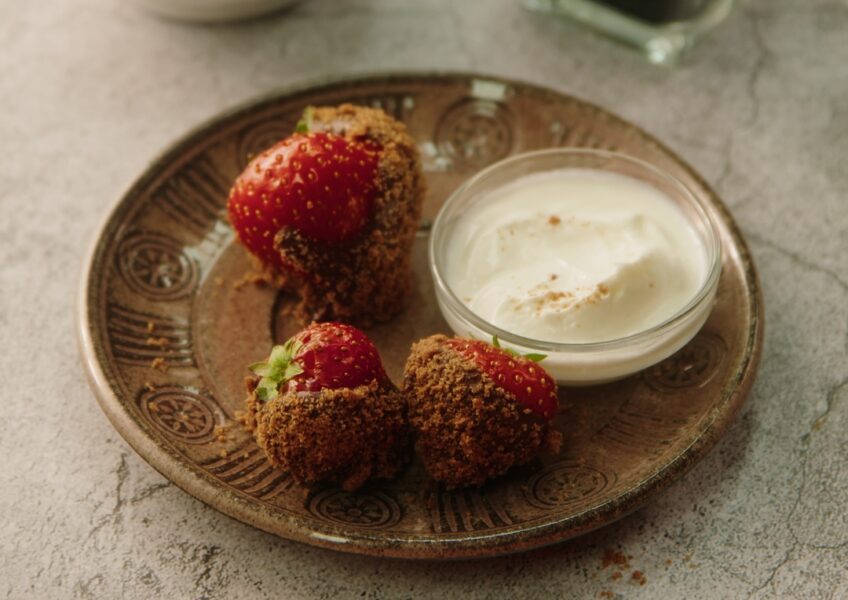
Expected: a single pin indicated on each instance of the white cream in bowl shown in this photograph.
(575, 256)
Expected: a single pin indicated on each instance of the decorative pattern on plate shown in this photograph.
(180, 412)
(692, 366)
(474, 133)
(370, 510)
(247, 469)
(646, 434)
(466, 510)
(196, 196)
(258, 137)
(566, 483)
(398, 106)
(160, 293)
(155, 266)
(579, 136)
(143, 338)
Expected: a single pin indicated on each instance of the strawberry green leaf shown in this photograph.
(292, 370)
(277, 370)
(535, 357)
(267, 389)
(497, 344)
(304, 125)
(262, 369)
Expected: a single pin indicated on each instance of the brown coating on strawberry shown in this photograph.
(317, 184)
(346, 436)
(469, 428)
(522, 377)
(323, 408)
(368, 279)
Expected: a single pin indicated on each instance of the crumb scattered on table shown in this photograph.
(614, 557)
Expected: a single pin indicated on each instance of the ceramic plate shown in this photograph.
(166, 333)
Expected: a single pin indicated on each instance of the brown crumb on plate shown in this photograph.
(257, 279)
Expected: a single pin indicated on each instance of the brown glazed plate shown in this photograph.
(160, 289)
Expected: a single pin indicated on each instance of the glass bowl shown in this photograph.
(590, 362)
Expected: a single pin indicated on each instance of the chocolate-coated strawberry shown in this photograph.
(519, 375)
(319, 184)
(322, 408)
(476, 409)
(322, 356)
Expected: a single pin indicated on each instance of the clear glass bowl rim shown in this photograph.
(712, 243)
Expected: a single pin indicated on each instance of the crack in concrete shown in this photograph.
(83, 589)
(727, 168)
(796, 542)
(763, 54)
(201, 582)
(760, 61)
(798, 259)
(121, 473)
(829, 400)
(774, 571)
(828, 546)
(148, 492)
(115, 516)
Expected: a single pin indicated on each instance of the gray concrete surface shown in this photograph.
(92, 89)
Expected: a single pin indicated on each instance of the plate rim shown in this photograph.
(178, 470)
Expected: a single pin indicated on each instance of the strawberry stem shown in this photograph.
(277, 370)
(304, 124)
(534, 356)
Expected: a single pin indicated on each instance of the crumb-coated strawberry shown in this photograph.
(521, 376)
(471, 424)
(318, 184)
(332, 212)
(323, 408)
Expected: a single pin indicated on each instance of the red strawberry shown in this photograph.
(324, 355)
(319, 184)
(518, 375)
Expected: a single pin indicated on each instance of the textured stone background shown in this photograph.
(92, 89)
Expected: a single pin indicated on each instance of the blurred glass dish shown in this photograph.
(575, 363)
(209, 11)
(662, 29)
